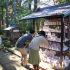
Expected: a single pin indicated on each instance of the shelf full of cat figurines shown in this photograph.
(53, 33)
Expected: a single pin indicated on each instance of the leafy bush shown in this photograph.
(7, 43)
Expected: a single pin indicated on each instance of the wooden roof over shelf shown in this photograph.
(51, 11)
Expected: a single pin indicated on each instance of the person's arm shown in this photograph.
(45, 41)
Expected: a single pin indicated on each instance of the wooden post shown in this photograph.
(34, 24)
(62, 38)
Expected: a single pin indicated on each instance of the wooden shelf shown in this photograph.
(53, 31)
(58, 41)
(52, 23)
(65, 53)
(53, 49)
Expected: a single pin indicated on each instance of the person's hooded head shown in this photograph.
(42, 33)
(31, 31)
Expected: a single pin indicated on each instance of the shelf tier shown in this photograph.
(58, 41)
(52, 24)
(53, 31)
(64, 54)
(53, 49)
(56, 24)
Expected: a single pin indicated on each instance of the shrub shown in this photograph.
(7, 43)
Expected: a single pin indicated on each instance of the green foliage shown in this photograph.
(10, 2)
(2, 27)
(2, 6)
(7, 43)
(2, 3)
(0, 13)
(61, 1)
(22, 11)
(25, 25)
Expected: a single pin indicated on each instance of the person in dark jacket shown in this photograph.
(21, 44)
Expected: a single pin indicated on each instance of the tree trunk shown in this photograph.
(7, 22)
(2, 15)
(35, 4)
(29, 2)
(67, 1)
(54, 2)
(14, 10)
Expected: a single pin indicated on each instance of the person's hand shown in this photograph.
(27, 42)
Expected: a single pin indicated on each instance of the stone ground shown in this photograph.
(10, 60)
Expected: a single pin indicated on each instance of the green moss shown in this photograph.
(7, 43)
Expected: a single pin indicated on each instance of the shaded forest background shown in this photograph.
(12, 10)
